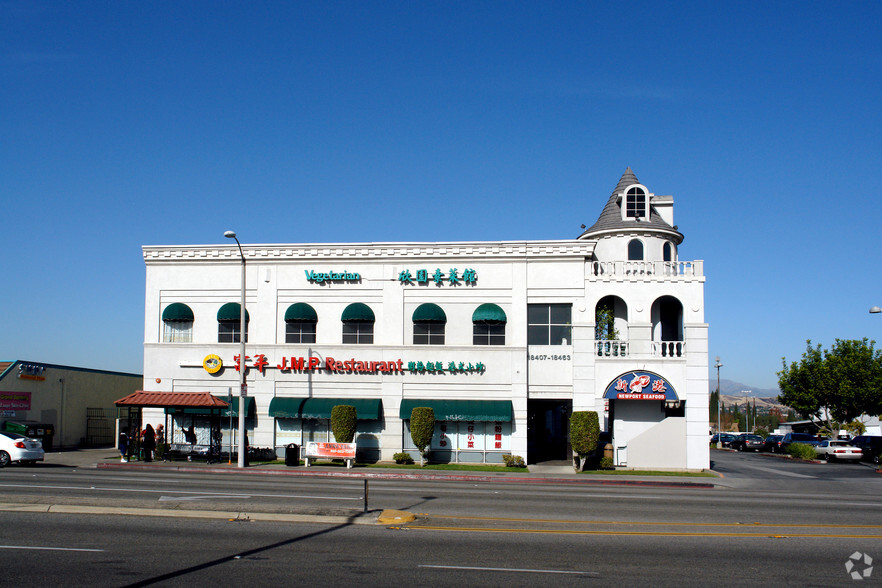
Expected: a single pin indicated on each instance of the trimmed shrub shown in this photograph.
(801, 451)
(422, 427)
(513, 461)
(584, 435)
(402, 457)
(343, 422)
(606, 463)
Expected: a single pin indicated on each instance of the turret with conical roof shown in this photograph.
(635, 224)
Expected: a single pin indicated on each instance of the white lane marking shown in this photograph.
(213, 495)
(774, 471)
(519, 570)
(208, 497)
(48, 548)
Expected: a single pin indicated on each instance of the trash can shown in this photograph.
(292, 455)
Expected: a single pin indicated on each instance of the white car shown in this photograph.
(15, 447)
(833, 449)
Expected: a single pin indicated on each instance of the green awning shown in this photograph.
(460, 410)
(250, 408)
(430, 313)
(301, 312)
(230, 312)
(366, 409)
(358, 311)
(488, 313)
(177, 311)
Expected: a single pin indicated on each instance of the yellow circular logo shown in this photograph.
(212, 364)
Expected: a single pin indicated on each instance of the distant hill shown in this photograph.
(730, 388)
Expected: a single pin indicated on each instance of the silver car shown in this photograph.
(15, 447)
(833, 449)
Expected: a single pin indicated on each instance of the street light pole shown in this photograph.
(718, 365)
(243, 390)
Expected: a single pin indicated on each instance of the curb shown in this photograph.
(421, 476)
(397, 516)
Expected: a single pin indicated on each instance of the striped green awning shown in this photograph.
(366, 409)
(250, 408)
(301, 312)
(429, 313)
(489, 313)
(177, 311)
(460, 410)
(358, 311)
(230, 312)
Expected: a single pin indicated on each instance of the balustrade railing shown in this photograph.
(668, 348)
(662, 269)
(617, 348)
(612, 348)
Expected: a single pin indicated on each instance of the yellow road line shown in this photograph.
(650, 523)
(641, 533)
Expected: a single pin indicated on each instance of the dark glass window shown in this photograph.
(300, 331)
(428, 333)
(635, 203)
(488, 334)
(549, 324)
(635, 250)
(668, 252)
(358, 332)
(228, 332)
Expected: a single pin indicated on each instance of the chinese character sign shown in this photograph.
(453, 277)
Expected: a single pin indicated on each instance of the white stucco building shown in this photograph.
(498, 337)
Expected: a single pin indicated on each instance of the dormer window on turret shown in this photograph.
(635, 203)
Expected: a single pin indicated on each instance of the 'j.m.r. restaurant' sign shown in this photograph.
(213, 364)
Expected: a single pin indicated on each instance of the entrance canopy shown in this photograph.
(640, 385)
(250, 408)
(172, 400)
(460, 410)
(366, 409)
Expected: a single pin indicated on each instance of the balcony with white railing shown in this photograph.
(617, 349)
(646, 269)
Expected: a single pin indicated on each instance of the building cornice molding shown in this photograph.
(369, 251)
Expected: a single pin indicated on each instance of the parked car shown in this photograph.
(773, 443)
(870, 446)
(724, 439)
(747, 442)
(805, 438)
(15, 447)
(834, 449)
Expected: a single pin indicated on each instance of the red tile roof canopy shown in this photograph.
(172, 399)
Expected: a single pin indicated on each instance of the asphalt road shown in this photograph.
(767, 521)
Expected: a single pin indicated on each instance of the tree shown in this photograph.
(605, 324)
(422, 427)
(835, 385)
(584, 435)
(343, 423)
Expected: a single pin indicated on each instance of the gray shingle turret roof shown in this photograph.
(611, 217)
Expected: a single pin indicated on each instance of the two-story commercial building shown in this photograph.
(503, 339)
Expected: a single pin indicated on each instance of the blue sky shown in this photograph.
(125, 124)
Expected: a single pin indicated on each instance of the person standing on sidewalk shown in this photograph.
(123, 446)
(149, 442)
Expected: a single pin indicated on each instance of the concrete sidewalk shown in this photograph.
(108, 458)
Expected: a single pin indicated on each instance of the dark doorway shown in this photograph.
(548, 426)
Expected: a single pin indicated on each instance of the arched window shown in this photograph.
(300, 323)
(667, 327)
(429, 322)
(177, 323)
(228, 323)
(358, 324)
(635, 250)
(668, 252)
(635, 203)
(488, 325)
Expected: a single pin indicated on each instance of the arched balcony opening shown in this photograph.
(667, 328)
(611, 327)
